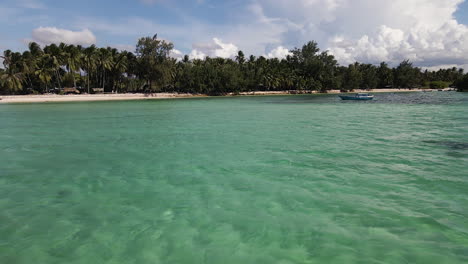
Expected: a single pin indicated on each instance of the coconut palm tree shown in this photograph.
(12, 81)
(28, 66)
(56, 58)
(35, 50)
(72, 60)
(119, 67)
(45, 69)
(89, 63)
(240, 58)
(105, 63)
(11, 78)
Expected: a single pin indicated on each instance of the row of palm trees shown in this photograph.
(151, 68)
(63, 65)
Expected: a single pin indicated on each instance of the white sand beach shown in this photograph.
(140, 96)
(88, 97)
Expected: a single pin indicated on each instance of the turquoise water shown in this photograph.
(280, 179)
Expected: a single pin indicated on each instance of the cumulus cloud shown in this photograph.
(429, 37)
(176, 54)
(48, 35)
(280, 53)
(371, 31)
(217, 48)
(197, 55)
(225, 50)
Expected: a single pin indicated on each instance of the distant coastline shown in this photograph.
(44, 98)
(65, 69)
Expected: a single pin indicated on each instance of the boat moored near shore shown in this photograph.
(358, 96)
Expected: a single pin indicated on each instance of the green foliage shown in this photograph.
(462, 83)
(385, 76)
(438, 84)
(153, 61)
(369, 76)
(353, 77)
(12, 77)
(151, 69)
(407, 76)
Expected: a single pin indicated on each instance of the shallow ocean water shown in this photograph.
(273, 179)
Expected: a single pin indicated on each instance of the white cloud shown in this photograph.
(252, 37)
(217, 48)
(443, 44)
(225, 50)
(197, 55)
(280, 53)
(48, 35)
(369, 31)
(256, 32)
(176, 54)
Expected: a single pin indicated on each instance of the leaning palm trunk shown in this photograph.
(104, 80)
(74, 80)
(29, 80)
(81, 77)
(96, 80)
(58, 78)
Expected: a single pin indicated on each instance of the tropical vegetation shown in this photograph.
(151, 69)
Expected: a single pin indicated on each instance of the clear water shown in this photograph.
(280, 179)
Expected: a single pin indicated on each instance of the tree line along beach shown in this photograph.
(43, 98)
(151, 69)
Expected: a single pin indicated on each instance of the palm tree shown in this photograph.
(45, 69)
(240, 58)
(35, 49)
(105, 63)
(12, 77)
(118, 68)
(12, 81)
(73, 60)
(56, 58)
(89, 62)
(28, 66)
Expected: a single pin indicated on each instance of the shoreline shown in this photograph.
(49, 98)
(44, 98)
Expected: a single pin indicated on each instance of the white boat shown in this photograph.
(358, 96)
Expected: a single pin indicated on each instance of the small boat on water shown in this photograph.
(359, 96)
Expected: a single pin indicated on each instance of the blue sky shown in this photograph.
(462, 13)
(431, 33)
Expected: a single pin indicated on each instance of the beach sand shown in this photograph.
(140, 96)
(88, 97)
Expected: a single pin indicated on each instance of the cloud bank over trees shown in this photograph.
(369, 31)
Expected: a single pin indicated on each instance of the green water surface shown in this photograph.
(279, 179)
